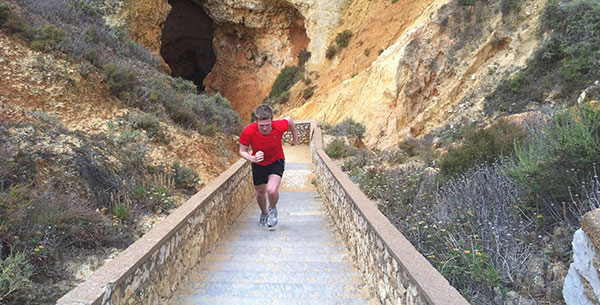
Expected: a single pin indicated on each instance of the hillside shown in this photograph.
(117, 111)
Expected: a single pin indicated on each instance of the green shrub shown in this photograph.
(5, 12)
(550, 164)
(185, 177)
(284, 81)
(308, 92)
(47, 38)
(481, 146)
(15, 274)
(303, 58)
(338, 149)
(348, 127)
(331, 51)
(151, 124)
(564, 64)
(517, 82)
(343, 39)
(120, 81)
(467, 2)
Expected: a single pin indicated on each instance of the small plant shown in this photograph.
(47, 38)
(466, 2)
(348, 127)
(331, 51)
(151, 124)
(120, 81)
(338, 149)
(343, 39)
(308, 92)
(303, 58)
(15, 274)
(284, 81)
(185, 177)
(480, 146)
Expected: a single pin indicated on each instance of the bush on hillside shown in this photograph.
(15, 274)
(481, 146)
(119, 80)
(343, 39)
(284, 81)
(331, 52)
(565, 63)
(185, 177)
(551, 165)
(303, 58)
(348, 128)
(338, 149)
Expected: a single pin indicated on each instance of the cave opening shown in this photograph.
(186, 44)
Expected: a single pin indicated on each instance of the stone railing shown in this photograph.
(148, 271)
(303, 132)
(393, 268)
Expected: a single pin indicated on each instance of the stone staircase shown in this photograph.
(300, 261)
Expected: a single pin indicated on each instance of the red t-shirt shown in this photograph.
(269, 144)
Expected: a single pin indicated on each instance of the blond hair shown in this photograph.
(263, 112)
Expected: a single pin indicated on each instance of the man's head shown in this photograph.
(264, 118)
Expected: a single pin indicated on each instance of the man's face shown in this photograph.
(264, 126)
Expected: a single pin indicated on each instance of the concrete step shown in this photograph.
(277, 258)
(261, 241)
(277, 290)
(231, 300)
(273, 249)
(304, 267)
(274, 277)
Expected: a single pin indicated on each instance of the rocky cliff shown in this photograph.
(427, 63)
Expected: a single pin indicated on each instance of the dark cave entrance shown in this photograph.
(186, 43)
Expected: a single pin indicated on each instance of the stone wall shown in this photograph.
(392, 267)
(303, 132)
(148, 271)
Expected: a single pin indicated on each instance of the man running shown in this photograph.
(267, 158)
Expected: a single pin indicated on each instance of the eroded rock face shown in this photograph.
(436, 70)
(252, 40)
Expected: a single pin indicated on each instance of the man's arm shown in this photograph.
(293, 130)
(246, 155)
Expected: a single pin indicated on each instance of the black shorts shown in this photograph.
(260, 173)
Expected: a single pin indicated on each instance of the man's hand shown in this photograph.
(294, 140)
(259, 156)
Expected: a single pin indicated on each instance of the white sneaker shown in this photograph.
(272, 219)
(263, 220)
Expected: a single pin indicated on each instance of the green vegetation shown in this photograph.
(481, 146)
(338, 149)
(284, 81)
(47, 38)
(341, 41)
(185, 177)
(565, 64)
(496, 201)
(303, 58)
(551, 165)
(348, 127)
(15, 274)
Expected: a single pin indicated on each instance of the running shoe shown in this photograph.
(263, 220)
(272, 219)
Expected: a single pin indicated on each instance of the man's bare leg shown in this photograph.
(273, 193)
(273, 190)
(261, 197)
